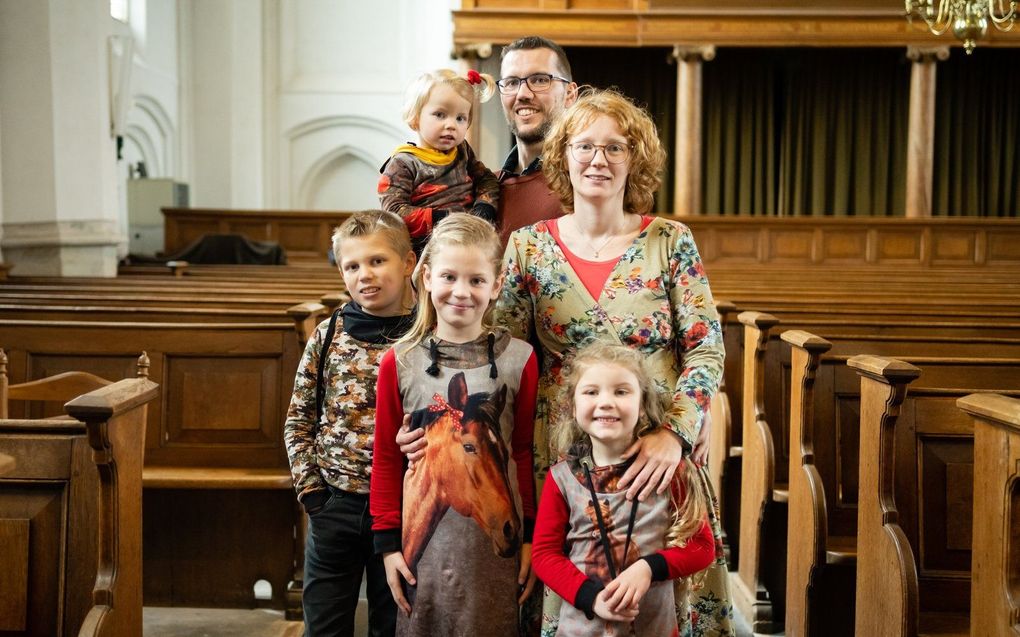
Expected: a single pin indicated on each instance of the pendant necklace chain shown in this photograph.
(594, 250)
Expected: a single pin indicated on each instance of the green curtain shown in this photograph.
(647, 76)
(805, 131)
(977, 134)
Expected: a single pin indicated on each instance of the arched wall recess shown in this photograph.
(315, 147)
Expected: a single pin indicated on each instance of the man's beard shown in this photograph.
(536, 135)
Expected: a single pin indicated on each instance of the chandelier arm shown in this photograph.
(1003, 16)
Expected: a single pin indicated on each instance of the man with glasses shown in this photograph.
(535, 87)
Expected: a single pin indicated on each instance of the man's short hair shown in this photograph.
(531, 42)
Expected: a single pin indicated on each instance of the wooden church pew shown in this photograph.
(995, 596)
(917, 479)
(764, 490)
(70, 518)
(727, 405)
(824, 401)
(215, 465)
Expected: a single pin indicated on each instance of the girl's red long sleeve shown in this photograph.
(386, 489)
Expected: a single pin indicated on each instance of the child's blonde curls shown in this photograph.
(690, 500)
(472, 85)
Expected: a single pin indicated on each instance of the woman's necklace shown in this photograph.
(594, 250)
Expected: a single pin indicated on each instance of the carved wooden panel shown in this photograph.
(1003, 248)
(302, 237)
(791, 245)
(245, 393)
(946, 503)
(254, 230)
(953, 247)
(14, 574)
(40, 507)
(894, 246)
(737, 245)
(849, 245)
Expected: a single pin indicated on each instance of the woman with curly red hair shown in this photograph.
(608, 271)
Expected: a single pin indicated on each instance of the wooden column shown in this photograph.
(921, 133)
(687, 174)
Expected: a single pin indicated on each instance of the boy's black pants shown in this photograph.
(338, 549)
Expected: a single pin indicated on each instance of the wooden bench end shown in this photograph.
(993, 407)
(761, 320)
(806, 340)
(885, 369)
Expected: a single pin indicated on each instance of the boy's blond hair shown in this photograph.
(369, 222)
(420, 89)
(692, 512)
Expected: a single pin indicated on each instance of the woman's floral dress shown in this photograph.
(656, 300)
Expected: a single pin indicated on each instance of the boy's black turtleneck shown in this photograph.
(369, 328)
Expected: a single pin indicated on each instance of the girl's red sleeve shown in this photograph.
(386, 490)
(522, 441)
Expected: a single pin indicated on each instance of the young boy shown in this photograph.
(331, 453)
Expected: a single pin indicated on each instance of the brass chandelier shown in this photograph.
(968, 18)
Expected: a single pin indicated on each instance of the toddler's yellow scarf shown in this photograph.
(434, 157)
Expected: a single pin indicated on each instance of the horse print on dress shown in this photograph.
(465, 468)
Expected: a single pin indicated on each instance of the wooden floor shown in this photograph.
(205, 622)
(216, 622)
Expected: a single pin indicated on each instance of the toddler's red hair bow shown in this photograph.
(473, 77)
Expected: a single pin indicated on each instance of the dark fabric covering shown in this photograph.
(231, 249)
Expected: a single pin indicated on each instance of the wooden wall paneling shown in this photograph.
(1003, 247)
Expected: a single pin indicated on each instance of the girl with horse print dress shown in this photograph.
(455, 531)
(613, 560)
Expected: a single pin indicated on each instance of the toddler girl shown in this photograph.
(424, 182)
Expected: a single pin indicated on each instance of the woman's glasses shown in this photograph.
(584, 152)
(537, 82)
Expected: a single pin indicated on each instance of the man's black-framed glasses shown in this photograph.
(537, 83)
(584, 152)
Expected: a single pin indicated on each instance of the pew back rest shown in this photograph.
(55, 390)
(226, 387)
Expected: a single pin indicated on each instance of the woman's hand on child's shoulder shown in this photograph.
(625, 592)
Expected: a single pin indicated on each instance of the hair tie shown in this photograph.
(473, 77)
(433, 369)
(493, 372)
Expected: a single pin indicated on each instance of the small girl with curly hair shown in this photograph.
(613, 560)
(440, 174)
